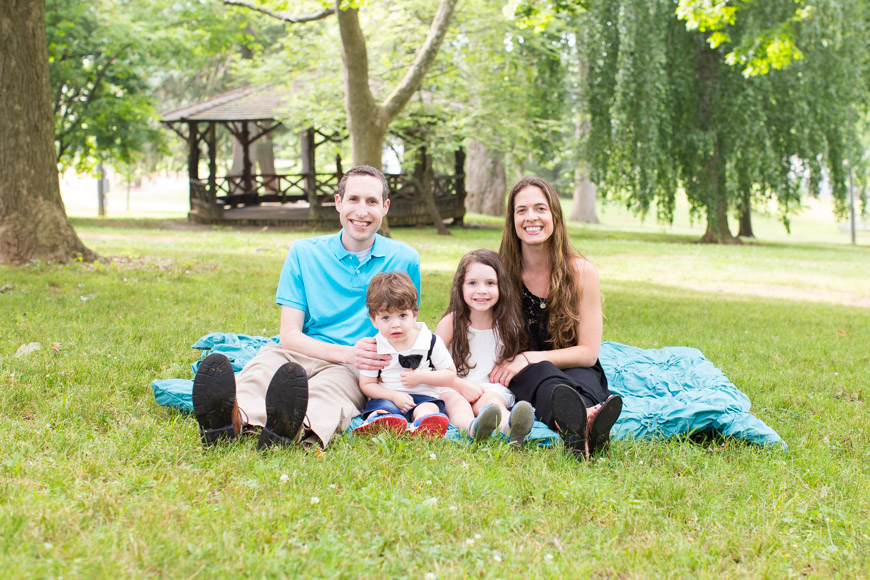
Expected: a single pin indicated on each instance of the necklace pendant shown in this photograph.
(543, 304)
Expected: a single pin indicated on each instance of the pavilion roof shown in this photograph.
(242, 104)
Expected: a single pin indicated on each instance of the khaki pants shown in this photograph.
(334, 397)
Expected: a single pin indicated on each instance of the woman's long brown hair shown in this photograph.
(564, 280)
(507, 319)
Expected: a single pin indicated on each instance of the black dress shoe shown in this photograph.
(569, 412)
(286, 405)
(602, 422)
(214, 394)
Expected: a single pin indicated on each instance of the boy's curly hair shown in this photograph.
(391, 292)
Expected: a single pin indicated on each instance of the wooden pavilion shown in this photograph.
(303, 199)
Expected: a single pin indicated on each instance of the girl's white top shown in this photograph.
(484, 347)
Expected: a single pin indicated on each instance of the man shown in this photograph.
(307, 388)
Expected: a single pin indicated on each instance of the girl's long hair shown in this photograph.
(507, 319)
(565, 286)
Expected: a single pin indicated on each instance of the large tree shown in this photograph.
(668, 109)
(368, 118)
(33, 221)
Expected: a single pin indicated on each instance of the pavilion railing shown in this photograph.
(288, 188)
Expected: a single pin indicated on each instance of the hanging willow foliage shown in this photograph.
(668, 111)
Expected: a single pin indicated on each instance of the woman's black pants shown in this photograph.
(536, 382)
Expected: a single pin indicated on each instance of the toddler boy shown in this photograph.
(403, 392)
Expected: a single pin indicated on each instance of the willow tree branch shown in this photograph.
(400, 96)
(325, 13)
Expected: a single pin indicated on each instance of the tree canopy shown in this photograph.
(668, 109)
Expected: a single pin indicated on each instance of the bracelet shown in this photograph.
(528, 362)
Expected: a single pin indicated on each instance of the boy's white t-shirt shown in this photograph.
(391, 375)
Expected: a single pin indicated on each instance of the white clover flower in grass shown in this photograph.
(284, 478)
(430, 501)
(496, 558)
(432, 457)
(548, 558)
(315, 500)
(453, 508)
(428, 482)
(477, 536)
(430, 576)
(469, 541)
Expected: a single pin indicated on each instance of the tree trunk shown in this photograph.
(238, 166)
(485, 181)
(584, 189)
(33, 220)
(584, 196)
(716, 195)
(264, 153)
(712, 179)
(424, 179)
(745, 230)
(367, 120)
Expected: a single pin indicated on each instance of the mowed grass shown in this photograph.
(96, 480)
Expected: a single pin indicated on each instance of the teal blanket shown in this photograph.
(666, 392)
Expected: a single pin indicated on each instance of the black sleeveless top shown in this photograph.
(536, 314)
(537, 317)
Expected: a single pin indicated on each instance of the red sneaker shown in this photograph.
(378, 423)
(433, 426)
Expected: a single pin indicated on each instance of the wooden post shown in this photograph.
(306, 148)
(459, 168)
(192, 156)
(852, 203)
(211, 140)
(246, 160)
(101, 190)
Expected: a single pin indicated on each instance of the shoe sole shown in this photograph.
(522, 420)
(569, 412)
(214, 394)
(486, 423)
(602, 423)
(432, 427)
(396, 425)
(286, 406)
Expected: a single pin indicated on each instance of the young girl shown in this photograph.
(483, 327)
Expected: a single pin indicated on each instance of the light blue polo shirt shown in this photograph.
(328, 283)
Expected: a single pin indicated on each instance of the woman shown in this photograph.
(560, 375)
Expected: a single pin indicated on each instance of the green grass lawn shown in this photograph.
(96, 480)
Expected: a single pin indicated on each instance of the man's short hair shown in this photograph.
(364, 170)
(391, 292)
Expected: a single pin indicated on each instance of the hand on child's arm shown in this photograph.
(365, 357)
(404, 402)
(507, 370)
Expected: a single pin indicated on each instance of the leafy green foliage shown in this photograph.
(668, 110)
(770, 46)
(113, 62)
(507, 85)
(98, 83)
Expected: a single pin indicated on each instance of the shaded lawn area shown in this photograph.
(97, 480)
